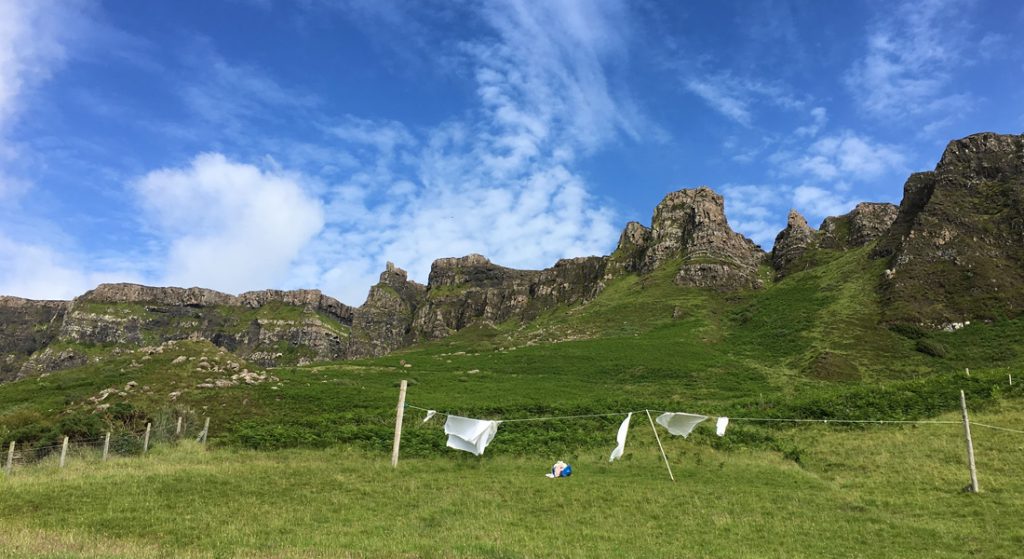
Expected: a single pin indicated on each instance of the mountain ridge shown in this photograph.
(962, 219)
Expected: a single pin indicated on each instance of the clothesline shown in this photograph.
(997, 428)
(764, 419)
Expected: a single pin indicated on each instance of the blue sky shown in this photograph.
(243, 145)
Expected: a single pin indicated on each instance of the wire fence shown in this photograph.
(119, 443)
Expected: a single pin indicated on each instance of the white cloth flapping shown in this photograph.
(680, 423)
(471, 435)
(723, 422)
(621, 438)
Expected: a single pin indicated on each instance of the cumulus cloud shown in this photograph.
(42, 270)
(759, 211)
(754, 210)
(227, 225)
(817, 202)
(845, 156)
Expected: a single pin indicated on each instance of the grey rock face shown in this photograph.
(384, 322)
(791, 243)
(867, 222)
(317, 327)
(470, 289)
(26, 327)
(311, 299)
(956, 249)
(689, 226)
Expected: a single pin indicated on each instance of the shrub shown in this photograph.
(931, 347)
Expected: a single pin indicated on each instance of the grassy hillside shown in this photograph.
(808, 346)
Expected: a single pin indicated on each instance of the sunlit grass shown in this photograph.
(877, 491)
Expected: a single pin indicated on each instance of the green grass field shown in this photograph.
(878, 491)
(298, 467)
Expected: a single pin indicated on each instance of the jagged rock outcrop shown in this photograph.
(795, 246)
(311, 299)
(269, 327)
(689, 227)
(791, 243)
(466, 290)
(384, 322)
(867, 222)
(26, 327)
(956, 249)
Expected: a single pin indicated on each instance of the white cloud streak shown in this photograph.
(736, 97)
(500, 182)
(31, 48)
(909, 60)
(848, 156)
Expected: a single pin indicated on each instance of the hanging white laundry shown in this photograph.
(723, 422)
(471, 435)
(680, 423)
(621, 438)
(430, 413)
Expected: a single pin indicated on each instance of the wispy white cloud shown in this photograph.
(31, 48)
(737, 97)
(227, 94)
(227, 225)
(819, 118)
(841, 157)
(759, 210)
(722, 98)
(501, 181)
(818, 180)
(911, 54)
(817, 203)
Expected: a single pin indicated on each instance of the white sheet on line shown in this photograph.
(680, 423)
(723, 422)
(471, 435)
(621, 438)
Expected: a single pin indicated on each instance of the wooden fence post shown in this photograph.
(398, 423)
(658, 438)
(106, 446)
(10, 459)
(177, 430)
(145, 442)
(970, 445)
(63, 452)
(206, 431)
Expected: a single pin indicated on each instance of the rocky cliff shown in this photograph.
(384, 322)
(956, 249)
(796, 247)
(26, 327)
(268, 327)
(689, 230)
